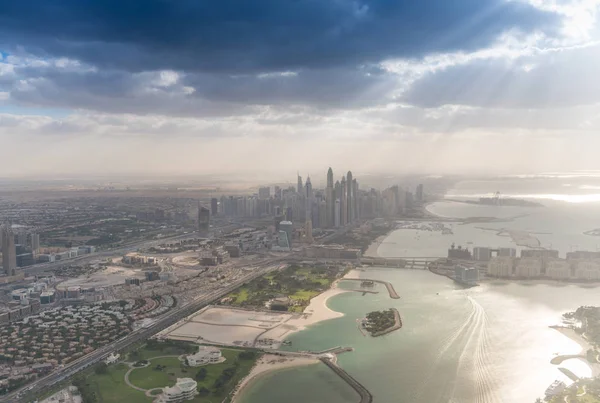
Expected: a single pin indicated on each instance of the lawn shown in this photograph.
(240, 295)
(111, 387)
(149, 377)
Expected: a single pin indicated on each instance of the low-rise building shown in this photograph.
(205, 355)
(184, 389)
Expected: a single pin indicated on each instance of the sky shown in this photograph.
(269, 87)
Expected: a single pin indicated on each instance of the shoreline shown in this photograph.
(266, 364)
(317, 311)
(584, 344)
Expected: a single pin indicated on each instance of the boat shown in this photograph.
(555, 388)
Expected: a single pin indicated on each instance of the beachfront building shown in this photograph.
(501, 266)
(587, 270)
(467, 275)
(558, 269)
(529, 267)
(184, 389)
(205, 355)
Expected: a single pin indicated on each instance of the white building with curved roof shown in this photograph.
(184, 389)
(205, 355)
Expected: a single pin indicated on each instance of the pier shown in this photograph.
(365, 395)
(389, 286)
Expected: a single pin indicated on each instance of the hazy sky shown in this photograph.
(194, 86)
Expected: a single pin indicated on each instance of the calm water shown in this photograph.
(489, 344)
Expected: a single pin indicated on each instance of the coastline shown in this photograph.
(265, 365)
(317, 311)
(584, 344)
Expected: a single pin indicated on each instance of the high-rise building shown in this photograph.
(264, 193)
(419, 192)
(356, 199)
(329, 201)
(336, 223)
(350, 197)
(9, 251)
(300, 188)
(35, 243)
(203, 218)
(308, 230)
(308, 195)
(22, 238)
(323, 214)
(214, 206)
(287, 226)
(344, 203)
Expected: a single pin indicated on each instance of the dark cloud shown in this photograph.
(256, 36)
(551, 80)
(194, 94)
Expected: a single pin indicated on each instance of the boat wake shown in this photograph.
(462, 363)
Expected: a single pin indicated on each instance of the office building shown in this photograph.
(308, 196)
(501, 266)
(308, 231)
(184, 389)
(214, 206)
(287, 227)
(22, 238)
(481, 254)
(9, 251)
(356, 213)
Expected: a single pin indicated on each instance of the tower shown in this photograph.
(300, 187)
(9, 251)
(350, 197)
(309, 197)
(344, 202)
(329, 202)
(356, 201)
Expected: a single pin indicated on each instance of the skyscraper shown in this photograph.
(350, 197)
(203, 217)
(9, 251)
(35, 243)
(329, 201)
(214, 206)
(419, 192)
(344, 202)
(309, 197)
(356, 199)
(300, 187)
(337, 196)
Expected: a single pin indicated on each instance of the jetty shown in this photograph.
(365, 395)
(388, 285)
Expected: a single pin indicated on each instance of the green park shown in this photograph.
(140, 376)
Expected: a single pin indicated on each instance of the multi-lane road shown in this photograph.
(38, 386)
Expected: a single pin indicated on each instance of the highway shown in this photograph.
(41, 267)
(61, 374)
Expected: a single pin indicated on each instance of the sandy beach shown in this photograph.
(583, 343)
(269, 363)
(374, 247)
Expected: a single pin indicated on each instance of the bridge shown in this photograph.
(418, 262)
